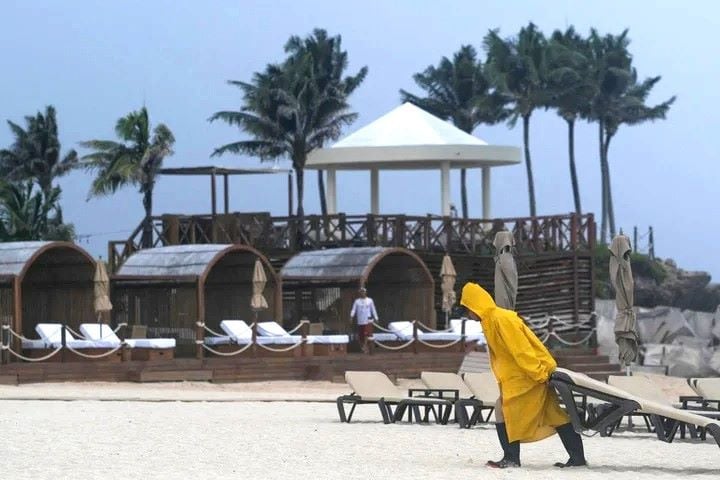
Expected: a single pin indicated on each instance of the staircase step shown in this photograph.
(565, 352)
(593, 367)
(581, 359)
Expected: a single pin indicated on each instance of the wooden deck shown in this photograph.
(233, 369)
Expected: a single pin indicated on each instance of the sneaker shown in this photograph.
(571, 463)
(504, 463)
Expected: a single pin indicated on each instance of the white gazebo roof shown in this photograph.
(409, 138)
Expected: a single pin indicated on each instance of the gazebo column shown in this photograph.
(486, 193)
(374, 191)
(445, 188)
(331, 192)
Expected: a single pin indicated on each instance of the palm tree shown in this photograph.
(459, 90)
(28, 214)
(135, 160)
(35, 153)
(618, 99)
(629, 109)
(570, 89)
(517, 66)
(288, 112)
(326, 61)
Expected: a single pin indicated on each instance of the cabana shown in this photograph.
(43, 282)
(170, 290)
(322, 285)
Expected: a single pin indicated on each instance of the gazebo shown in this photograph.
(409, 138)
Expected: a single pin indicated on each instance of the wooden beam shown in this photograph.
(227, 198)
(213, 195)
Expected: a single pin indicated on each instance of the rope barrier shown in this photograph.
(209, 330)
(570, 343)
(280, 350)
(226, 354)
(29, 359)
(388, 347)
(16, 335)
(437, 345)
(101, 355)
(381, 328)
(429, 329)
(302, 322)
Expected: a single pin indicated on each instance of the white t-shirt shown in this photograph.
(364, 310)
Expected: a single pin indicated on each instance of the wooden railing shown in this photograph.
(562, 233)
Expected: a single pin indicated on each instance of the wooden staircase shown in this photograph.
(587, 361)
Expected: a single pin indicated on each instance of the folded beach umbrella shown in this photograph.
(101, 289)
(621, 278)
(506, 276)
(258, 302)
(447, 284)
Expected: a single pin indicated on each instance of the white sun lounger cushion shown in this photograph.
(51, 334)
(151, 342)
(227, 340)
(34, 344)
(100, 332)
(271, 329)
(241, 333)
(328, 339)
(472, 327)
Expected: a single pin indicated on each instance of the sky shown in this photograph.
(97, 61)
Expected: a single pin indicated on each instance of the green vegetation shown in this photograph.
(642, 266)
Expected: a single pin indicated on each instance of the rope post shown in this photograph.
(304, 330)
(254, 335)
(415, 336)
(199, 340)
(462, 334)
(3, 353)
(63, 341)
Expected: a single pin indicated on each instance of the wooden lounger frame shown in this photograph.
(665, 428)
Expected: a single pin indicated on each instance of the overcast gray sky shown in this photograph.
(96, 61)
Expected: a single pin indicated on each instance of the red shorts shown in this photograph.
(364, 331)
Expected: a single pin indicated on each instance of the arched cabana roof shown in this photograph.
(185, 261)
(16, 258)
(347, 264)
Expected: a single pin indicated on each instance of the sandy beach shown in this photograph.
(201, 430)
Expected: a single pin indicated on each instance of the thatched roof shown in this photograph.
(15, 257)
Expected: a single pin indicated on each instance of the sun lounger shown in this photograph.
(444, 381)
(141, 348)
(377, 389)
(239, 334)
(402, 332)
(708, 392)
(484, 387)
(665, 418)
(642, 387)
(321, 344)
(473, 330)
(51, 339)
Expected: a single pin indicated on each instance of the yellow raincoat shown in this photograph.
(522, 366)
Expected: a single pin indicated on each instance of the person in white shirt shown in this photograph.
(363, 310)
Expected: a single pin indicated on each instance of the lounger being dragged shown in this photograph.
(666, 419)
(376, 388)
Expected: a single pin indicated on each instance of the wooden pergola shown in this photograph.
(213, 172)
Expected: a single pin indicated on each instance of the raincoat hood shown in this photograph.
(477, 299)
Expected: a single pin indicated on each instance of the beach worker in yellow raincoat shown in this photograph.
(528, 408)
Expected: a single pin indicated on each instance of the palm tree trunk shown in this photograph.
(573, 169)
(321, 189)
(463, 192)
(603, 222)
(146, 240)
(610, 209)
(300, 182)
(528, 164)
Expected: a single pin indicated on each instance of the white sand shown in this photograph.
(257, 440)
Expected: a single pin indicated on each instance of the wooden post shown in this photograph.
(200, 332)
(213, 194)
(227, 196)
(290, 194)
(18, 314)
(635, 239)
(415, 336)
